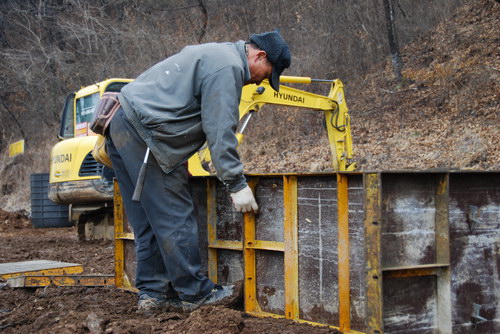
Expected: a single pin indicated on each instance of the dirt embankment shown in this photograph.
(445, 114)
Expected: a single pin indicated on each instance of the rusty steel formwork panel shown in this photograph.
(390, 252)
(475, 252)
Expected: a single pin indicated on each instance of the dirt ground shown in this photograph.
(98, 309)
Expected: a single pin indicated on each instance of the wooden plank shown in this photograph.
(291, 248)
(373, 195)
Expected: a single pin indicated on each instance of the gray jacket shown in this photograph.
(190, 98)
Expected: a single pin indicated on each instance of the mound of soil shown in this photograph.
(13, 220)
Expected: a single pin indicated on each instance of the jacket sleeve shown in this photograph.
(220, 96)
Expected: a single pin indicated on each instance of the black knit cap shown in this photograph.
(277, 51)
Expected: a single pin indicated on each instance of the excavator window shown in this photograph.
(85, 107)
(115, 86)
(67, 123)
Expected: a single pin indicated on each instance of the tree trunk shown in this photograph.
(397, 62)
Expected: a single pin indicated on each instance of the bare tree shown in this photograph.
(397, 62)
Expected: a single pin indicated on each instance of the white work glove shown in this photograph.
(244, 201)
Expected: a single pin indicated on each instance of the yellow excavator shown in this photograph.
(78, 180)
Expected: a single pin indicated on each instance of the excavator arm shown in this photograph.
(334, 106)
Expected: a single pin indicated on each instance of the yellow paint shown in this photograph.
(343, 252)
(226, 244)
(250, 284)
(249, 263)
(374, 277)
(276, 316)
(40, 281)
(211, 229)
(124, 236)
(267, 245)
(118, 211)
(71, 270)
(291, 247)
(16, 148)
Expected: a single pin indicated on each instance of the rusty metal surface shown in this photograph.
(408, 240)
(230, 266)
(270, 281)
(318, 233)
(198, 189)
(130, 262)
(410, 305)
(229, 222)
(408, 213)
(270, 287)
(357, 254)
(269, 222)
(475, 255)
(414, 205)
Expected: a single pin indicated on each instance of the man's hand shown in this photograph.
(244, 201)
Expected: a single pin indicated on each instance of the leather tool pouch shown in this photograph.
(105, 110)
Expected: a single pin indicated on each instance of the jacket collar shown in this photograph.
(240, 46)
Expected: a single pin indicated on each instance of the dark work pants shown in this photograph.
(164, 222)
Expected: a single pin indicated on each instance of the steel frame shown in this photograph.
(290, 249)
(377, 204)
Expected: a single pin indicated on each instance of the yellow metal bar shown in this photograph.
(124, 236)
(249, 263)
(372, 224)
(77, 269)
(292, 79)
(224, 244)
(118, 218)
(343, 252)
(250, 285)
(276, 316)
(62, 280)
(291, 248)
(212, 229)
(267, 245)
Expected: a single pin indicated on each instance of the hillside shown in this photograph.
(444, 115)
